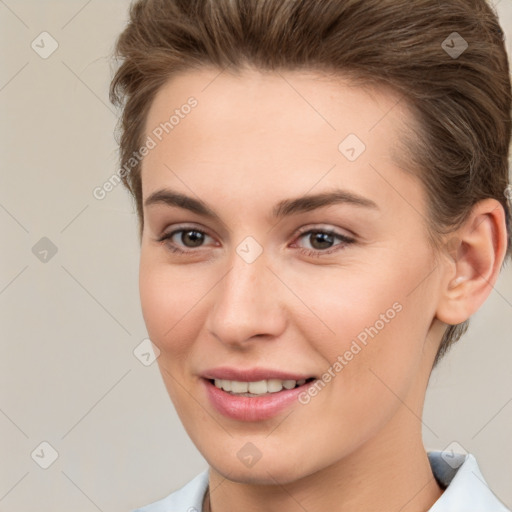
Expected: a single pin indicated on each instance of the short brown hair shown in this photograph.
(462, 103)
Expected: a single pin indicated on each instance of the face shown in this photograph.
(255, 283)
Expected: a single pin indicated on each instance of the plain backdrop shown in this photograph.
(69, 305)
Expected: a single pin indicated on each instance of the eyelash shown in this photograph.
(345, 241)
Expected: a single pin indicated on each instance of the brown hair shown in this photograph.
(462, 103)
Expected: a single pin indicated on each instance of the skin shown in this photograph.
(252, 141)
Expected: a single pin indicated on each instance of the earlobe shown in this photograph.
(476, 251)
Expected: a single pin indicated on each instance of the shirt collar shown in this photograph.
(465, 488)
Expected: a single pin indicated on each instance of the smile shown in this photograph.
(252, 401)
(257, 388)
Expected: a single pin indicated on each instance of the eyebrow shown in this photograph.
(284, 208)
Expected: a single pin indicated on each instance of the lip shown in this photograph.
(252, 409)
(251, 374)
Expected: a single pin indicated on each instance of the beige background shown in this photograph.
(68, 375)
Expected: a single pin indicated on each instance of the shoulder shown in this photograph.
(465, 487)
(188, 498)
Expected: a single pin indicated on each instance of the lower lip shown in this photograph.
(244, 408)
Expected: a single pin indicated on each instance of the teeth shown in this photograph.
(226, 384)
(274, 385)
(239, 387)
(260, 387)
(289, 384)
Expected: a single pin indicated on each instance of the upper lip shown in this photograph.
(250, 374)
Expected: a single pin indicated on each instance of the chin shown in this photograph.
(266, 471)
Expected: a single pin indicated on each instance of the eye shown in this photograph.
(183, 240)
(322, 241)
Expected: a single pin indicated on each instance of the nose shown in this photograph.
(246, 304)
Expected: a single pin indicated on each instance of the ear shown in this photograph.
(476, 252)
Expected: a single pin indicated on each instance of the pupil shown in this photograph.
(325, 238)
(195, 239)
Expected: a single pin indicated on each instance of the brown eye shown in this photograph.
(191, 238)
(183, 240)
(323, 242)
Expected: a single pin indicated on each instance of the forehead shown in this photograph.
(322, 101)
(256, 128)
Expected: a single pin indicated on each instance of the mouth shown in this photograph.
(253, 394)
(258, 388)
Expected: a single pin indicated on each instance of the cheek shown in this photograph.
(167, 303)
(390, 349)
(373, 316)
(374, 356)
(348, 304)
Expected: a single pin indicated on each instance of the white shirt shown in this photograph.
(465, 489)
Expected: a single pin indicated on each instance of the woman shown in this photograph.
(321, 191)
